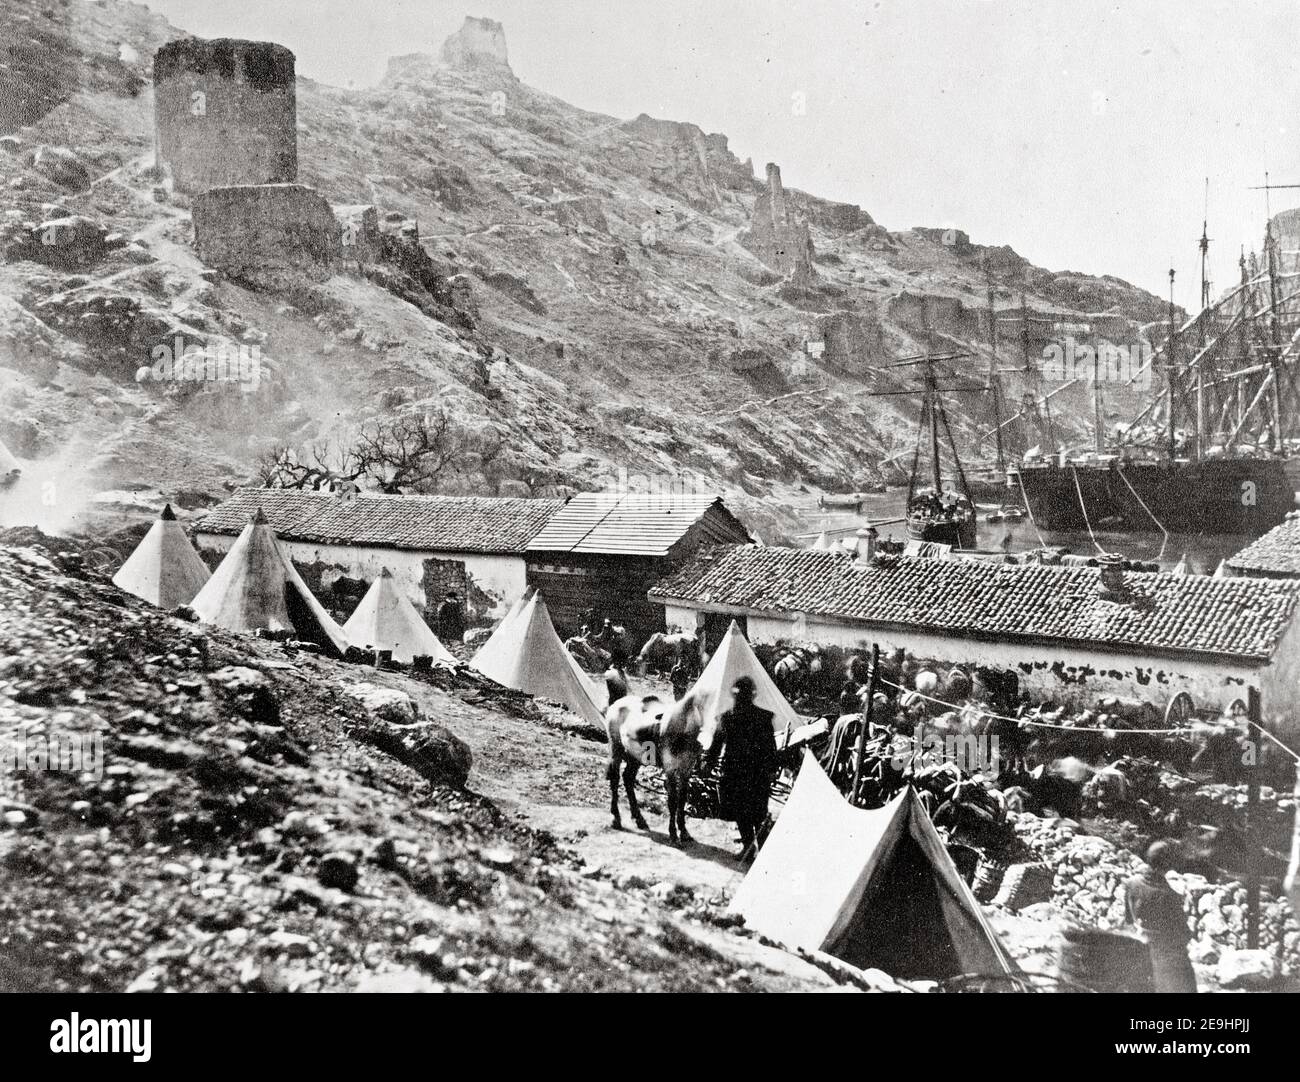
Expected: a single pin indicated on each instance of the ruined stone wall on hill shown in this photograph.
(225, 113)
(478, 42)
(853, 343)
(267, 232)
(830, 217)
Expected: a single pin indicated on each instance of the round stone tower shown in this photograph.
(225, 113)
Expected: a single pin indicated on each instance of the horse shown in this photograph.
(646, 729)
(590, 657)
(661, 651)
(791, 673)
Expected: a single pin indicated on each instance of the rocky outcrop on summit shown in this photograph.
(680, 159)
(478, 43)
(777, 236)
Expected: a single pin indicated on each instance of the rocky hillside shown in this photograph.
(611, 295)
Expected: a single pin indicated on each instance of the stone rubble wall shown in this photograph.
(1089, 881)
(265, 232)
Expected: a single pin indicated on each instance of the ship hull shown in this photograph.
(1214, 496)
(959, 533)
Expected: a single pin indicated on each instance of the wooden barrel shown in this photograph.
(1105, 961)
(988, 878)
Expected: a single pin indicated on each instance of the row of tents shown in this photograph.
(874, 888)
(257, 586)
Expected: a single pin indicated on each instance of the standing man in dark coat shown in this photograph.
(451, 621)
(745, 741)
(1157, 908)
(616, 677)
(680, 677)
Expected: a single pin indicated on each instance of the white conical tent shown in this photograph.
(386, 620)
(256, 586)
(732, 660)
(164, 569)
(823, 543)
(525, 653)
(1181, 567)
(876, 889)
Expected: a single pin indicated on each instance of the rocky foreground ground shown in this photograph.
(268, 819)
(264, 818)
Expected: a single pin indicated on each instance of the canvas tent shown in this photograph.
(386, 620)
(732, 659)
(876, 889)
(525, 653)
(164, 569)
(256, 586)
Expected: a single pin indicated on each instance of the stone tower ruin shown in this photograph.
(225, 113)
(776, 235)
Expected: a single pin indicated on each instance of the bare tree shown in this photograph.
(311, 467)
(415, 453)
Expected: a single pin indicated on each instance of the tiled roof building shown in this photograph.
(1065, 633)
(599, 554)
(634, 523)
(431, 545)
(428, 523)
(1163, 613)
(1275, 555)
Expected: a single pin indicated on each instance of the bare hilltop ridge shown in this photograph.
(597, 294)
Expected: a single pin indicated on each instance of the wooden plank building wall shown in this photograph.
(601, 557)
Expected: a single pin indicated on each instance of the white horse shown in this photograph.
(644, 729)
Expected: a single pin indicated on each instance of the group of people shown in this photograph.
(945, 505)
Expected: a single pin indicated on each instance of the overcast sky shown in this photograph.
(1077, 131)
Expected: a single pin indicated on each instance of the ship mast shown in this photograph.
(930, 401)
(1098, 417)
(931, 397)
(1170, 364)
(1204, 245)
(1275, 331)
(995, 385)
(1245, 338)
(1045, 419)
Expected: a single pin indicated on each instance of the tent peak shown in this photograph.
(259, 517)
(168, 515)
(384, 573)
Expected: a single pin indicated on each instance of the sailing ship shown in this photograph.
(1215, 451)
(945, 515)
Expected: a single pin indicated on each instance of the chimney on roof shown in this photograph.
(867, 539)
(1111, 584)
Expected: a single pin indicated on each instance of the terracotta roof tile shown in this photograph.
(1276, 553)
(423, 523)
(1240, 617)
